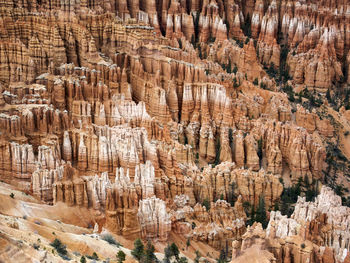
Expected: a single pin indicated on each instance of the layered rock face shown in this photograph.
(324, 222)
(316, 232)
(220, 225)
(226, 181)
(154, 220)
(161, 117)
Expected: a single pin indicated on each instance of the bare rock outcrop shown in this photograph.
(154, 219)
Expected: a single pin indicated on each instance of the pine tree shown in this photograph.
(121, 256)
(149, 253)
(206, 203)
(175, 250)
(261, 212)
(328, 96)
(188, 243)
(60, 248)
(167, 254)
(182, 260)
(94, 256)
(235, 69)
(138, 250)
(198, 256)
(222, 257)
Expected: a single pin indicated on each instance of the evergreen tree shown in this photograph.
(235, 69)
(260, 148)
(182, 260)
(200, 52)
(60, 248)
(94, 256)
(121, 256)
(261, 212)
(193, 41)
(218, 150)
(228, 68)
(188, 243)
(82, 259)
(175, 250)
(167, 254)
(222, 257)
(206, 203)
(149, 256)
(251, 215)
(328, 96)
(138, 250)
(284, 208)
(198, 256)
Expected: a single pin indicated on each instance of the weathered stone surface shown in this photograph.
(154, 219)
(143, 111)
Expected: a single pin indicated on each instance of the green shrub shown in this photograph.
(60, 248)
(206, 203)
(121, 256)
(235, 69)
(188, 242)
(260, 215)
(94, 256)
(110, 239)
(193, 225)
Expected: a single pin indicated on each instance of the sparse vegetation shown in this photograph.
(193, 225)
(211, 39)
(260, 149)
(182, 260)
(235, 83)
(149, 256)
(198, 256)
(290, 92)
(206, 203)
(231, 198)
(94, 256)
(223, 257)
(138, 250)
(188, 243)
(246, 26)
(110, 239)
(290, 195)
(218, 150)
(263, 85)
(283, 70)
(180, 43)
(260, 214)
(171, 251)
(271, 70)
(36, 246)
(60, 247)
(235, 69)
(121, 256)
(239, 43)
